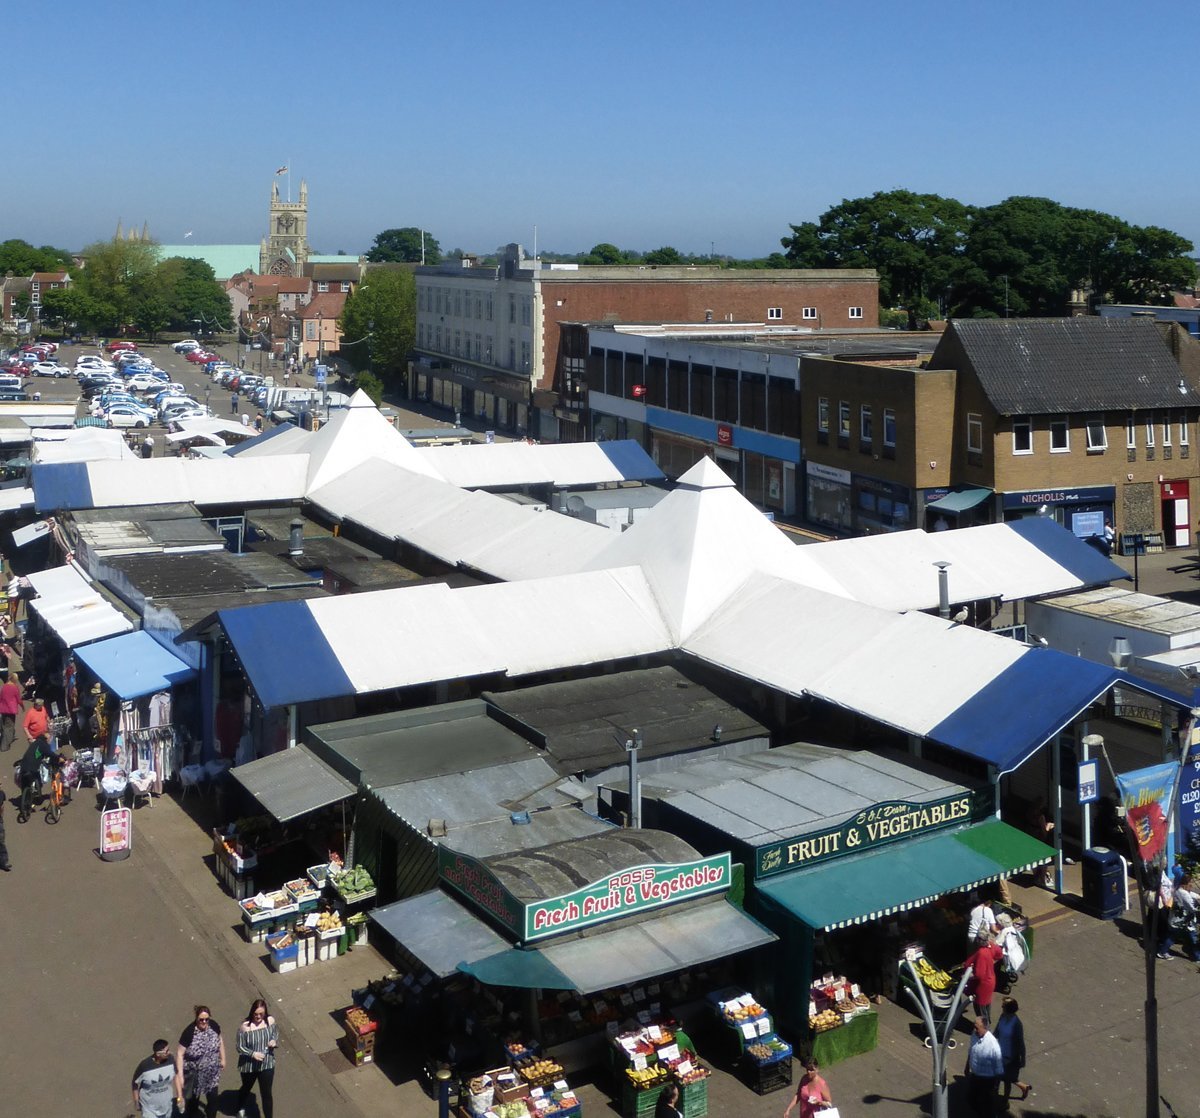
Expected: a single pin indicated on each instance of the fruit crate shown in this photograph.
(762, 1079)
(357, 1056)
(638, 1104)
(693, 1099)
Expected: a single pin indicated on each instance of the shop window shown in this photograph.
(1060, 436)
(1097, 436)
(700, 400)
(753, 394)
(889, 433)
(1022, 431)
(866, 429)
(725, 396)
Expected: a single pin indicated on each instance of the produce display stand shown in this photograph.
(234, 866)
(763, 1059)
(533, 1090)
(647, 1060)
(362, 1028)
(841, 1020)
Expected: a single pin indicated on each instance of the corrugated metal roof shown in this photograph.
(292, 783)
(1035, 366)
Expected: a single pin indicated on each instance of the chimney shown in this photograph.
(296, 538)
(943, 588)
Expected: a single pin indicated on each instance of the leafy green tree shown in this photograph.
(383, 309)
(604, 253)
(22, 259)
(371, 385)
(664, 255)
(115, 277)
(913, 240)
(192, 292)
(151, 314)
(403, 246)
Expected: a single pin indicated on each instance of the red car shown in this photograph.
(200, 356)
(116, 347)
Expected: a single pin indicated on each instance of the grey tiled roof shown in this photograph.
(1036, 366)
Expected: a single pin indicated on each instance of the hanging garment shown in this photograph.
(160, 709)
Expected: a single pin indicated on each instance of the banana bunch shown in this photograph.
(327, 921)
(645, 1078)
(934, 978)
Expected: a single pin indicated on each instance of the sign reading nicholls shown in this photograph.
(876, 826)
(614, 895)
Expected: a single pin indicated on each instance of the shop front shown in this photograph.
(829, 499)
(881, 506)
(1082, 510)
(478, 393)
(593, 951)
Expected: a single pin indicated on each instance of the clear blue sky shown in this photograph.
(643, 124)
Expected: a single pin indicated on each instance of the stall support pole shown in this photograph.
(292, 722)
(443, 1088)
(1056, 779)
(938, 1044)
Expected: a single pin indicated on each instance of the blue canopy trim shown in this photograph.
(284, 654)
(133, 665)
(631, 460)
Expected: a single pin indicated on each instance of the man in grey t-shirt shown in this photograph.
(154, 1087)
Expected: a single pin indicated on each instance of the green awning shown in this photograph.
(527, 968)
(904, 875)
(961, 501)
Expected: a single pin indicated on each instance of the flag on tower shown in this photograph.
(281, 171)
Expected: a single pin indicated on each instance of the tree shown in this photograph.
(192, 292)
(151, 313)
(379, 322)
(403, 246)
(913, 240)
(22, 259)
(115, 277)
(604, 253)
(664, 255)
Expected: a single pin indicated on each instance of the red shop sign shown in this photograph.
(724, 435)
(639, 390)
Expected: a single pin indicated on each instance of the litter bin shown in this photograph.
(1103, 882)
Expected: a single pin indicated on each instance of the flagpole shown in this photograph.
(289, 175)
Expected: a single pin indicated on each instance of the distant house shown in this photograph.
(320, 335)
(40, 283)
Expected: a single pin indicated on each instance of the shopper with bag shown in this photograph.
(812, 1094)
(985, 1069)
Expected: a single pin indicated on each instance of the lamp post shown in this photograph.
(939, 1042)
(370, 332)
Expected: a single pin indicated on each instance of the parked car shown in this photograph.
(50, 369)
(186, 345)
(142, 382)
(94, 386)
(174, 419)
(126, 415)
(200, 356)
(169, 402)
(117, 346)
(178, 408)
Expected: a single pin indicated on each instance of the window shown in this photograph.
(322, 287)
(524, 357)
(1060, 436)
(856, 312)
(974, 433)
(1149, 434)
(823, 415)
(512, 308)
(1022, 436)
(889, 427)
(866, 425)
(1097, 436)
(843, 420)
(526, 312)
(512, 353)
(1130, 434)
(345, 286)
(1183, 432)
(487, 308)
(774, 314)
(809, 312)
(1166, 430)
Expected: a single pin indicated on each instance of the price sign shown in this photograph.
(611, 1028)
(840, 994)
(749, 1031)
(855, 991)
(764, 1026)
(639, 1063)
(655, 1008)
(311, 921)
(653, 988)
(600, 1005)
(1089, 782)
(566, 1094)
(671, 1052)
(540, 1104)
(643, 1017)
(408, 980)
(654, 1032)
(639, 994)
(537, 1092)
(746, 1000)
(683, 1067)
(812, 1008)
(627, 1000)
(560, 1085)
(628, 1043)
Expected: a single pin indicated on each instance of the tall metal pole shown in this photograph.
(937, 1043)
(632, 744)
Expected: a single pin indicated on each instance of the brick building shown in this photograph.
(488, 339)
(1082, 419)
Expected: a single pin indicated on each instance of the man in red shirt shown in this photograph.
(10, 707)
(37, 721)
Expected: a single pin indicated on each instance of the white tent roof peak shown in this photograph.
(706, 474)
(352, 436)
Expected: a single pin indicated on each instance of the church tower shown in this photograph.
(284, 250)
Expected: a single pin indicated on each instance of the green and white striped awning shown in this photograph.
(904, 875)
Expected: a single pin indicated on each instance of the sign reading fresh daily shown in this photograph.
(873, 827)
(626, 892)
(614, 895)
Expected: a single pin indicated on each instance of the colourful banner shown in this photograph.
(1146, 797)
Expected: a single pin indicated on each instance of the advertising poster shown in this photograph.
(1146, 797)
(1188, 827)
(116, 834)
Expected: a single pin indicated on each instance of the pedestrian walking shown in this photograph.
(1010, 1035)
(155, 1090)
(668, 1103)
(1181, 920)
(245, 419)
(982, 984)
(812, 1093)
(982, 923)
(258, 422)
(5, 864)
(233, 404)
(257, 1040)
(10, 707)
(985, 1069)
(199, 1062)
(148, 447)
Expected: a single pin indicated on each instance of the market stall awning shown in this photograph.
(962, 501)
(72, 609)
(904, 875)
(134, 664)
(292, 783)
(438, 931)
